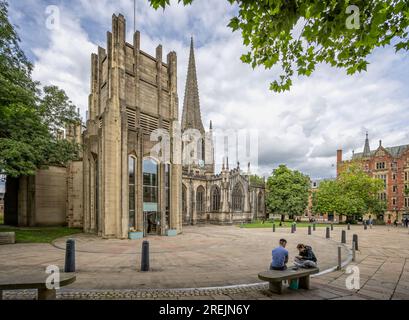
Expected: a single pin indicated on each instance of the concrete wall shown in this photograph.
(51, 196)
(75, 195)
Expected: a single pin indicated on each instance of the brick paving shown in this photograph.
(204, 260)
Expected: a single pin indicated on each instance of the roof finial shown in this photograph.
(211, 125)
(380, 143)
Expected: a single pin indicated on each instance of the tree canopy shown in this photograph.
(287, 191)
(296, 35)
(354, 193)
(29, 116)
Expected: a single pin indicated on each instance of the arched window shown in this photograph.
(200, 199)
(132, 190)
(184, 203)
(215, 199)
(238, 197)
(260, 202)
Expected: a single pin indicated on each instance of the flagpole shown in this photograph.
(134, 15)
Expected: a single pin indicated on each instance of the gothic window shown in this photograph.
(131, 189)
(260, 202)
(238, 198)
(215, 197)
(200, 197)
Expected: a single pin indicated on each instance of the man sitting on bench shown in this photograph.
(306, 259)
(280, 256)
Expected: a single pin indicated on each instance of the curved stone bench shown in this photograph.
(7, 238)
(276, 278)
(35, 281)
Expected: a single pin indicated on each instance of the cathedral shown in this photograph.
(119, 188)
(226, 198)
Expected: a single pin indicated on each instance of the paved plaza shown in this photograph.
(217, 262)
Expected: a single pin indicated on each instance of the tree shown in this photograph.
(27, 120)
(299, 34)
(353, 193)
(257, 180)
(287, 192)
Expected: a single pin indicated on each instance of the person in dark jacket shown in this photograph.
(306, 257)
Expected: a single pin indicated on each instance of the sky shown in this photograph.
(302, 128)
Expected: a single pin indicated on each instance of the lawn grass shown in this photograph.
(286, 224)
(39, 235)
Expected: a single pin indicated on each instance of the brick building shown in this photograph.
(390, 164)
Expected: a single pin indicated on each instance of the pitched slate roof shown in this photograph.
(393, 151)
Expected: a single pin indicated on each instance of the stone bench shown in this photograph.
(276, 278)
(7, 238)
(35, 281)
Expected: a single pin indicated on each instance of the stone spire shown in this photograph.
(191, 117)
(367, 149)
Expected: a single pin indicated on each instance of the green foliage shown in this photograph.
(40, 235)
(57, 110)
(256, 180)
(287, 191)
(299, 34)
(28, 120)
(353, 194)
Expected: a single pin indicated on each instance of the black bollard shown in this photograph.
(309, 230)
(292, 228)
(327, 234)
(365, 226)
(332, 227)
(355, 240)
(343, 236)
(313, 227)
(295, 227)
(145, 256)
(274, 227)
(70, 256)
(349, 226)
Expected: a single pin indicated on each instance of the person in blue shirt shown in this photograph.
(280, 256)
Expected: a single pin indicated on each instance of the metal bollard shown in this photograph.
(274, 227)
(343, 236)
(353, 251)
(313, 227)
(295, 227)
(355, 240)
(327, 234)
(365, 226)
(292, 228)
(309, 230)
(339, 258)
(349, 226)
(70, 256)
(145, 256)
